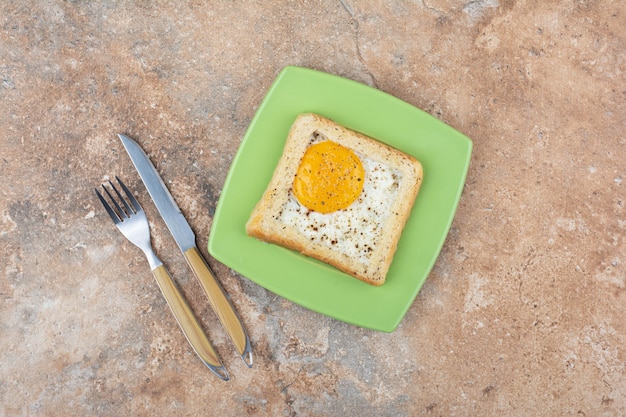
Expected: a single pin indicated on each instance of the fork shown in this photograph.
(131, 220)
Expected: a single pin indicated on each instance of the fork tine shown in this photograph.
(116, 219)
(120, 212)
(130, 196)
(129, 211)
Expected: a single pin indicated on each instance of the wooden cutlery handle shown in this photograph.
(220, 303)
(188, 322)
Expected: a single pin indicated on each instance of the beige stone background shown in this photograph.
(524, 313)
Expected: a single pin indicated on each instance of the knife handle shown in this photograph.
(220, 303)
(188, 322)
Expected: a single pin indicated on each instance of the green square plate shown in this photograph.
(443, 152)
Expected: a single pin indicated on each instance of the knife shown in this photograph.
(186, 240)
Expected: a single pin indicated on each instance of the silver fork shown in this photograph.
(131, 220)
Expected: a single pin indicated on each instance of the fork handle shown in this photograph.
(188, 322)
(220, 303)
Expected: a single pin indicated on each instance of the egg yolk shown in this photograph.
(330, 177)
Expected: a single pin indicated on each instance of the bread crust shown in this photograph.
(264, 223)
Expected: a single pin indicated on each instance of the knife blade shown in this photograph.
(186, 240)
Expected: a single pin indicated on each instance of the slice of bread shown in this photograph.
(359, 240)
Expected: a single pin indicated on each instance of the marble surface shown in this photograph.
(524, 312)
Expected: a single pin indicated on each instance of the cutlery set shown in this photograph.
(130, 219)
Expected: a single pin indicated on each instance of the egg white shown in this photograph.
(355, 230)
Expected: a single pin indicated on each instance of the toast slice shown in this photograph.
(360, 239)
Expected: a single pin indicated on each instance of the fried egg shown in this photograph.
(340, 198)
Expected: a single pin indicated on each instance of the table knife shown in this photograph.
(186, 240)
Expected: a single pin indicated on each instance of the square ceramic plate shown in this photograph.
(443, 152)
